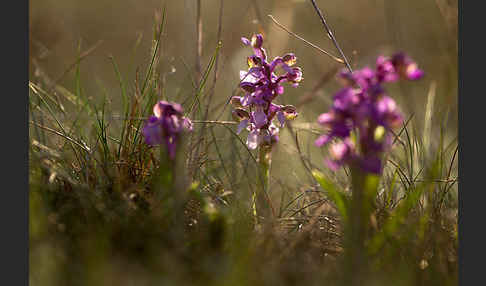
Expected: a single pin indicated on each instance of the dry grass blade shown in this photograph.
(198, 41)
(307, 42)
(82, 146)
(79, 59)
(428, 114)
(331, 35)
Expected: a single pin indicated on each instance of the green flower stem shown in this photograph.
(166, 171)
(170, 184)
(364, 187)
(357, 221)
(263, 205)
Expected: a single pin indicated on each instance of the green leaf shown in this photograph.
(334, 193)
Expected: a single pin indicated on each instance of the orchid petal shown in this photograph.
(243, 124)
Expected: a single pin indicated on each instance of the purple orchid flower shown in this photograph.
(262, 83)
(363, 106)
(166, 125)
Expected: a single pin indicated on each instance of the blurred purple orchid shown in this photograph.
(261, 84)
(166, 125)
(362, 105)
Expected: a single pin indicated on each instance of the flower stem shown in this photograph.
(356, 246)
(364, 188)
(165, 173)
(170, 185)
(162, 185)
(263, 205)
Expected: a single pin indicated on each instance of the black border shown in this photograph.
(471, 121)
(14, 208)
(460, 164)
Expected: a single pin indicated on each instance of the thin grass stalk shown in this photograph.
(331, 35)
(219, 43)
(198, 41)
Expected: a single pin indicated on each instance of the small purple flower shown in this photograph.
(261, 84)
(385, 70)
(386, 112)
(245, 41)
(341, 153)
(258, 136)
(362, 107)
(345, 100)
(406, 67)
(166, 126)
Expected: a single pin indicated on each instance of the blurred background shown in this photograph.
(426, 30)
(124, 29)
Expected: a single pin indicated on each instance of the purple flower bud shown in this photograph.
(290, 112)
(295, 76)
(247, 86)
(254, 61)
(412, 72)
(257, 41)
(240, 114)
(289, 59)
(235, 101)
(406, 67)
(245, 41)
